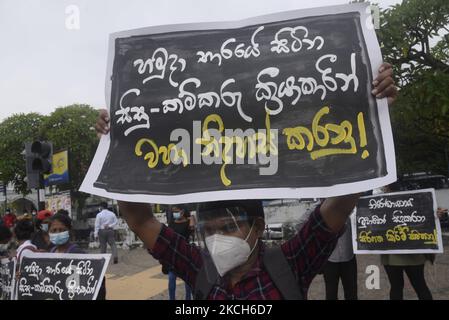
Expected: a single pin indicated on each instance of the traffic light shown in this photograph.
(33, 178)
(38, 156)
(42, 154)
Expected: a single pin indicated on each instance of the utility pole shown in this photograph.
(5, 195)
(38, 157)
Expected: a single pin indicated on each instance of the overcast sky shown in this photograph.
(44, 65)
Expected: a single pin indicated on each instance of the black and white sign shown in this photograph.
(278, 106)
(7, 278)
(54, 276)
(400, 222)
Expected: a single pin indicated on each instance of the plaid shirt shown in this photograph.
(306, 253)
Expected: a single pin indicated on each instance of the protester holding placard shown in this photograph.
(231, 231)
(232, 262)
(59, 228)
(412, 264)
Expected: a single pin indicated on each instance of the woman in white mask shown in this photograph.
(59, 231)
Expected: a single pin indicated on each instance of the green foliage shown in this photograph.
(72, 128)
(414, 40)
(14, 132)
(406, 34)
(68, 128)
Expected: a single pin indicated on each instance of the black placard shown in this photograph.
(61, 276)
(7, 278)
(402, 222)
(302, 84)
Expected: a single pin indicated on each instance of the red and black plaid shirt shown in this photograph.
(306, 253)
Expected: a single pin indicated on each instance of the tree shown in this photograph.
(424, 104)
(407, 33)
(414, 39)
(14, 132)
(72, 128)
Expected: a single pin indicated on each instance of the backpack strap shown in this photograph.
(206, 278)
(281, 273)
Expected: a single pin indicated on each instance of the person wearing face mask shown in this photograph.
(59, 231)
(59, 227)
(181, 225)
(232, 262)
(40, 238)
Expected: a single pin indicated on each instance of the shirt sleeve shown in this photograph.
(97, 224)
(310, 248)
(183, 258)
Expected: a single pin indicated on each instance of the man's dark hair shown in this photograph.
(63, 211)
(63, 218)
(104, 205)
(5, 234)
(251, 208)
(24, 230)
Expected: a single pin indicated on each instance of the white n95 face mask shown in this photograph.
(228, 252)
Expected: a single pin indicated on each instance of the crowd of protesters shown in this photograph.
(42, 232)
